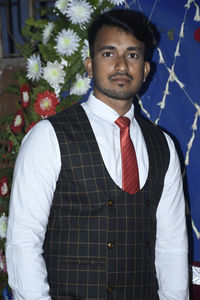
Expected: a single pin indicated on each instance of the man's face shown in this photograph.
(118, 68)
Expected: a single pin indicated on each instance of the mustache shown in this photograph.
(120, 74)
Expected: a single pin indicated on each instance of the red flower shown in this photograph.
(197, 34)
(18, 122)
(4, 187)
(45, 104)
(25, 95)
(30, 126)
(2, 261)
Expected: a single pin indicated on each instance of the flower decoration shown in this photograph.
(197, 34)
(64, 62)
(79, 12)
(18, 122)
(46, 34)
(54, 50)
(81, 86)
(10, 146)
(67, 42)
(45, 104)
(61, 5)
(3, 226)
(2, 261)
(85, 51)
(25, 95)
(54, 74)
(4, 187)
(117, 2)
(34, 68)
(30, 126)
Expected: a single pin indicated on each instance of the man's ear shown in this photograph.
(88, 66)
(147, 68)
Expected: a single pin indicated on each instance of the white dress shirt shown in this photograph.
(36, 171)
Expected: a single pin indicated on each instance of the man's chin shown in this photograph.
(122, 96)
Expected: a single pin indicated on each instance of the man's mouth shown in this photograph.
(121, 78)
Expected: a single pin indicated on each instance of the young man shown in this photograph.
(85, 221)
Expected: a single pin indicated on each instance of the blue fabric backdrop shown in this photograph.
(179, 51)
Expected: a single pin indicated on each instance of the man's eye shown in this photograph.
(107, 54)
(133, 55)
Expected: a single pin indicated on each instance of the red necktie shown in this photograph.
(130, 175)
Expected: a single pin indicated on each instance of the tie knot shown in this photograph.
(123, 122)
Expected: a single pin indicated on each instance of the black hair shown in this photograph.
(130, 21)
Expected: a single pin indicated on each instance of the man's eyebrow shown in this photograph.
(106, 47)
(131, 48)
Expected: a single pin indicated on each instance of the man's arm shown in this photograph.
(35, 175)
(171, 242)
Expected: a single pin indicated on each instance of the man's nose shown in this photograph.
(121, 64)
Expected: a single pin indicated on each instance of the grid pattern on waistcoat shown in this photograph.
(100, 240)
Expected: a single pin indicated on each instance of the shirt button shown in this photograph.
(110, 202)
(110, 290)
(110, 245)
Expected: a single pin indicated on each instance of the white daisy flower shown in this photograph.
(34, 69)
(3, 226)
(85, 51)
(67, 42)
(47, 32)
(81, 86)
(64, 62)
(54, 74)
(117, 2)
(17, 121)
(62, 6)
(79, 12)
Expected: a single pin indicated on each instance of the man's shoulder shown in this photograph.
(147, 123)
(67, 112)
(149, 128)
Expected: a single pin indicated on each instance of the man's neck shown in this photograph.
(120, 106)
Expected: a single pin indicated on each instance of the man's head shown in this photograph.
(119, 42)
(129, 21)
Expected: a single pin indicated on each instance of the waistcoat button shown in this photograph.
(109, 290)
(110, 202)
(148, 203)
(147, 245)
(110, 245)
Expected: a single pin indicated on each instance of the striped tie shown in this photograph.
(130, 174)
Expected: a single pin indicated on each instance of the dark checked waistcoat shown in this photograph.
(100, 240)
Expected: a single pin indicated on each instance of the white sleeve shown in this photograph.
(36, 172)
(171, 242)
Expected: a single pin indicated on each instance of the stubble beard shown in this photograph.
(116, 94)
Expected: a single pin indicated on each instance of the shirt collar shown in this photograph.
(104, 111)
